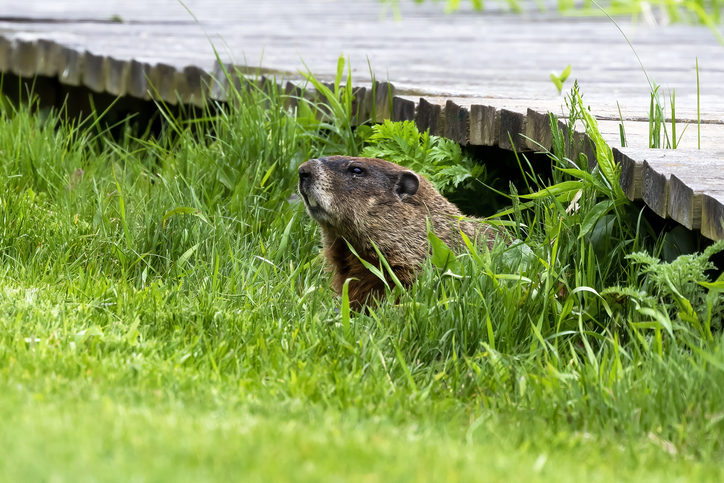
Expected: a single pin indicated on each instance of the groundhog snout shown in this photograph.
(305, 171)
(306, 175)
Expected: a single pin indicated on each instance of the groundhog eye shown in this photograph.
(356, 170)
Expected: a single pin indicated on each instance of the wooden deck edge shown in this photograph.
(684, 204)
(472, 123)
(712, 217)
(655, 189)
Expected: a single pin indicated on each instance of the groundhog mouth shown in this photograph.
(313, 207)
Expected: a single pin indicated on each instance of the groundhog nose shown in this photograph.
(304, 172)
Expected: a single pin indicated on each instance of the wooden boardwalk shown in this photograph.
(473, 77)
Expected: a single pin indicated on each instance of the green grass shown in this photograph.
(167, 316)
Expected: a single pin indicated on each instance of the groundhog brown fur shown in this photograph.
(365, 200)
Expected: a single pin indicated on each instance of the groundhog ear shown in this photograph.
(407, 184)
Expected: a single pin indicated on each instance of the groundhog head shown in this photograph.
(352, 196)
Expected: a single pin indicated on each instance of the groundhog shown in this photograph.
(365, 200)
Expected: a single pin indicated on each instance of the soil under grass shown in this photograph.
(165, 315)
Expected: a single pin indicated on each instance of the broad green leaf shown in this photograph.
(594, 215)
(555, 190)
(442, 256)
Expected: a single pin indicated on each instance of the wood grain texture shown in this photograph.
(47, 55)
(429, 117)
(484, 125)
(137, 74)
(23, 57)
(94, 72)
(655, 188)
(712, 217)
(512, 125)
(631, 172)
(70, 66)
(402, 109)
(457, 122)
(538, 130)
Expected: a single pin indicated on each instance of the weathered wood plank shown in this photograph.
(5, 53)
(631, 178)
(359, 108)
(655, 188)
(117, 75)
(512, 125)
(162, 83)
(192, 85)
(637, 135)
(712, 217)
(70, 66)
(94, 72)
(23, 60)
(47, 58)
(672, 182)
(429, 116)
(484, 125)
(137, 85)
(687, 185)
(538, 130)
(457, 122)
(402, 109)
(686, 196)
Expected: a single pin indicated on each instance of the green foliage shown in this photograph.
(166, 314)
(438, 159)
(336, 112)
(678, 285)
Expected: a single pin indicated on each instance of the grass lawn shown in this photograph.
(165, 315)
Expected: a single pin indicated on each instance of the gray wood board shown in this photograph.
(428, 52)
(674, 183)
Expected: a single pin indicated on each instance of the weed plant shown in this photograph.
(165, 314)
